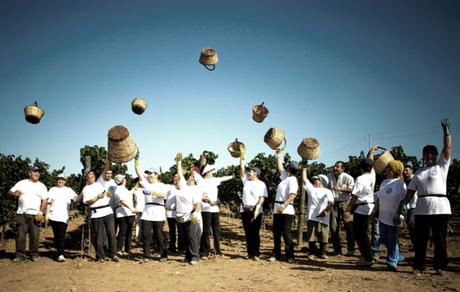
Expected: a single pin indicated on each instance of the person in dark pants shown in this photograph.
(410, 216)
(32, 195)
(254, 194)
(171, 217)
(433, 207)
(283, 210)
(57, 212)
(361, 205)
(102, 220)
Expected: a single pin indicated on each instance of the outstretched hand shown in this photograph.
(179, 157)
(242, 152)
(446, 124)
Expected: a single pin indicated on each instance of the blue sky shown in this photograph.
(337, 70)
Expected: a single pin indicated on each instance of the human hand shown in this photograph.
(242, 152)
(195, 218)
(446, 124)
(278, 152)
(281, 208)
(257, 211)
(346, 215)
(179, 157)
(17, 193)
(374, 148)
(39, 217)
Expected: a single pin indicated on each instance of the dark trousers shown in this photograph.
(26, 224)
(125, 232)
(251, 230)
(312, 249)
(360, 230)
(172, 224)
(192, 234)
(336, 220)
(104, 228)
(376, 245)
(153, 230)
(411, 225)
(210, 221)
(59, 229)
(438, 226)
(282, 226)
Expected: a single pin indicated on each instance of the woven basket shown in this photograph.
(234, 148)
(274, 138)
(382, 161)
(208, 58)
(33, 113)
(309, 148)
(139, 105)
(259, 112)
(122, 147)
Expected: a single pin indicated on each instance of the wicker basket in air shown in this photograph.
(122, 147)
(139, 105)
(259, 112)
(234, 148)
(208, 58)
(274, 138)
(33, 113)
(309, 148)
(382, 161)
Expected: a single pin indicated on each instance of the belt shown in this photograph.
(431, 195)
(281, 202)
(355, 206)
(248, 208)
(152, 203)
(100, 207)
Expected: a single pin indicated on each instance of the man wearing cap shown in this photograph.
(102, 219)
(210, 210)
(105, 179)
(283, 210)
(154, 213)
(57, 212)
(254, 194)
(361, 205)
(320, 202)
(341, 184)
(32, 195)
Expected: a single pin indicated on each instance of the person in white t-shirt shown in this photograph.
(106, 180)
(32, 195)
(171, 217)
(361, 205)
(102, 220)
(433, 207)
(125, 215)
(410, 216)
(392, 191)
(254, 194)
(320, 203)
(283, 210)
(210, 209)
(139, 204)
(57, 212)
(154, 213)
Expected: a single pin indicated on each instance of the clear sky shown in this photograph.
(335, 70)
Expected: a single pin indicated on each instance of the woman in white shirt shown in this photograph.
(392, 191)
(283, 210)
(57, 212)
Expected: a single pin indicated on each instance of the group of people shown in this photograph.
(190, 206)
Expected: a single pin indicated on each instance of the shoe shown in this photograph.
(311, 257)
(101, 260)
(336, 253)
(204, 258)
(401, 258)
(417, 272)
(272, 259)
(145, 260)
(440, 272)
(323, 256)
(350, 253)
(163, 259)
(376, 257)
(364, 263)
(116, 259)
(61, 258)
(34, 258)
(256, 258)
(392, 269)
(193, 263)
(18, 260)
(290, 260)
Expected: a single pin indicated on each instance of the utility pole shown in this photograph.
(369, 139)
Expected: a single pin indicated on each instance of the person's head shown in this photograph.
(408, 171)
(108, 175)
(366, 165)
(253, 173)
(90, 175)
(320, 181)
(394, 169)
(338, 168)
(430, 153)
(176, 180)
(207, 171)
(61, 179)
(34, 173)
(292, 168)
(120, 180)
(190, 179)
(152, 175)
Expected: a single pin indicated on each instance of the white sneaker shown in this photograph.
(61, 258)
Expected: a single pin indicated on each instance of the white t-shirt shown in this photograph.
(109, 186)
(32, 194)
(344, 180)
(287, 186)
(318, 200)
(364, 190)
(154, 209)
(432, 180)
(209, 188)
(123, 194)
(390, 194)
(413, 202)
(59, 200)
(140, 198)
(186, 199)
(171, 201)
(89, 193)
(252, 191)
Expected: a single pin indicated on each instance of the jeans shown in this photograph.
(389, 236)
(192, 240)
(360, 230)
(59, 229)
(125, 232)
(336, 220)
(252, 232)
(282, 226)
(438, 226)
(411, 225)
(26, 224)
(104, 228)
(210, 221)
(376, 245)
(153, 230)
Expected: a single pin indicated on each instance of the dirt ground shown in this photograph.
(231, 272)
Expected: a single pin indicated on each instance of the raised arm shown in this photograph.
(242, 158)
(137, 165)
(107, 165)
(372, 150)
(225, 178)
(279, 161)
(447, 140)
(180, 171)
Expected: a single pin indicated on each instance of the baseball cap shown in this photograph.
(87, 171)
(255, 169)
(119, 178)
(61, 175)
(34, 168)
(151, 170)
(367, 162)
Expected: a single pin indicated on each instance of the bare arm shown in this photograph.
(351, 203)
(279, 161)
(371, 152)
(447, 140)
(242, 168)
(180, 171)
(225, 178)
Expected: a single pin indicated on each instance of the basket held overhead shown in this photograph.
(208, 58)
(309, 148)
(139, 105)
(381, 162)
(122, 147)
(234, 148)
(259, 112)
(274, 138)
(33, 113)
